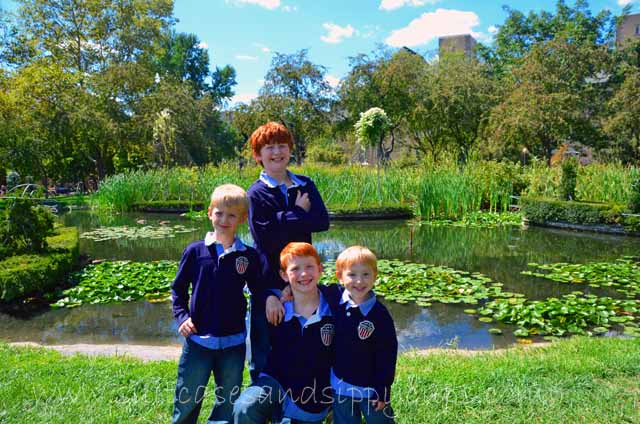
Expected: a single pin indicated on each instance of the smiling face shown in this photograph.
(226, 219)
(274, 158)
(358, 278)
(302, 273)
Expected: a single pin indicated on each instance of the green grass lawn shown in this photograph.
(579, 380)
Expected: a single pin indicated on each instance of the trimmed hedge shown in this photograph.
(23, 275)
(542, 211)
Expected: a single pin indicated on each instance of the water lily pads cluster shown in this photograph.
(480, 220)
(136, 232)
(623, 274)
(120, 281)
(405, 282)
(574, 313)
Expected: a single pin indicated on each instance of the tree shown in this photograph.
(295, 93)
(371, 129)
(385, 80)
(519, 33)
(183, 58)
(457, 93)
(552, 98)
(623, 123)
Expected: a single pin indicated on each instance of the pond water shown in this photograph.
(499, 253)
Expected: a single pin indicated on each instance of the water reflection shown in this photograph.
(498, 253)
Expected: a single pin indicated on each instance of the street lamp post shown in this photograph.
(525, 152)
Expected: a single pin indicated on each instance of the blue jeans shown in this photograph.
(347, 410)
(195, 366)
(258, 338)
(263, 401)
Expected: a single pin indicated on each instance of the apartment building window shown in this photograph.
(637, 29)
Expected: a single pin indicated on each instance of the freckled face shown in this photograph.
(274, 157)
(358, 280)
(302, 273)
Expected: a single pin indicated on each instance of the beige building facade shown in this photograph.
(628, 30)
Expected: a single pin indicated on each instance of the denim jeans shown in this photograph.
(258, 338)
(195, 366)
(263, 401)
(347, 410)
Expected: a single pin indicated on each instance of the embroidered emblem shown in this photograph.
(326, 334)
(241, 264)
(365, 329)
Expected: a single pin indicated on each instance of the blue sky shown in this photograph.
(246, 33)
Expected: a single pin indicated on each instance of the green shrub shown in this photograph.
(546, 210)
(324, 154)
(23, 275)
(25, 226)
(569, 179)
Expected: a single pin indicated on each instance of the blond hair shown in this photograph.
(353, 255)
(229, 195)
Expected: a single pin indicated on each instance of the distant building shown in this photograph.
(457, 43)
(628, 29)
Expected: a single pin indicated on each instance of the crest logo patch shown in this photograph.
(242, 263)
(365, 329)
(326, 334)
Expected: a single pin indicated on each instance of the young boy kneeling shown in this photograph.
(294, 384)
(212, 320)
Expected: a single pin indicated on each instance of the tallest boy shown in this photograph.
(283, 207)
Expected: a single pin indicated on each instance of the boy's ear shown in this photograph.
(283, 275)
(209, 209)
(243, 218)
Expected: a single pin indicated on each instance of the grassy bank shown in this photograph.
(578, 380)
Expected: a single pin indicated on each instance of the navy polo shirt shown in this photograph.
(301, 356)
(275, 220)
(217, 305)
(366, 346)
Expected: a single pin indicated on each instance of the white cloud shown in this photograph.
(262, 47)
(267, 4)
(336, 33)
(288, 8)
(624, 2)
(245, 57)
(492, 29)
(333, 81)
(243, 98)
(432, 25)
(369, 31)
(396, 4)
(203, 45)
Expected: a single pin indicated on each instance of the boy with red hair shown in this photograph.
(294, 383)
(283, 207)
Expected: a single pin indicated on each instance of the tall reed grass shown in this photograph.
(607, 183)
(444, 192)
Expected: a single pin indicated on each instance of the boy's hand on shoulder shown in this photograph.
(302, 200)
(275, 310)
(187, 328)
(378, 405)
(286, 295)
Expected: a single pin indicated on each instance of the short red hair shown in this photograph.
(270, 133)
(296, 248)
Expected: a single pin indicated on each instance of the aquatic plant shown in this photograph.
(623, 274)
(405, 282)
(574, 313)
(134, 233)
(120, 281)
